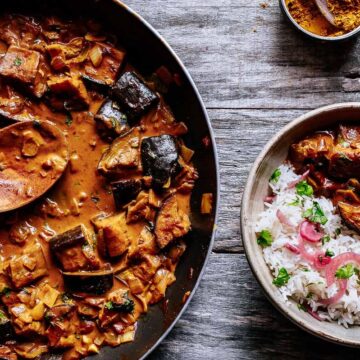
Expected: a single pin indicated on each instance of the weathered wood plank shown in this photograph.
(230, 318)
(240, 136)
(244, 56)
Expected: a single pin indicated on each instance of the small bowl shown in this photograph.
(274, 153)
(346, 36)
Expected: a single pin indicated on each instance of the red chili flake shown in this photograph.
(164, 75)
(191, 273)
(206, 141)
(177, 79)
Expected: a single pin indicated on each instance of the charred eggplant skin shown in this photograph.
(159, 158)
(125, 190)
(87, 282)
(133, 95)
(111, 122)
(68, 239)
(6, 328)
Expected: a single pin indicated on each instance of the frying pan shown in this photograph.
(147, 51)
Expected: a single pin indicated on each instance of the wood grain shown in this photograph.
(231, 319)
(244, 56)
(255, 74)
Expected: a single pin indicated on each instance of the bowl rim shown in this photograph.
(349, 35)
(267, 288)
(216, 162)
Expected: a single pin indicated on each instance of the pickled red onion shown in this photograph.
(283, 219)
(294, 249)
(309, 232)
(301, 178)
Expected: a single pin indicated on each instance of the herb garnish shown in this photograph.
(298, 201)
(345, 272)
(17, 61)
(68, 119)
(325, 239)
(264, 239)
(303, 188)
(315, 214)
(282, 278)
(329, 253)
(275, 176)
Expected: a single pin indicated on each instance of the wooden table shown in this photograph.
(255, 74)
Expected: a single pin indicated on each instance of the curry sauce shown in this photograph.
(80, 264)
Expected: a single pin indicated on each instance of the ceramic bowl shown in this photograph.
(309, 34)
(257, 188)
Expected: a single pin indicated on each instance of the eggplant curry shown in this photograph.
(331, 161)
(79, 265)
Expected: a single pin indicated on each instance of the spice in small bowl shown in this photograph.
(307, 17)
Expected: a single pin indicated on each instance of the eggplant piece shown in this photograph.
(28, 267)
(6, 328)
(159, 158)
(115, 236)
(122, 155)
(95, 84)
(314, 148)
(68, 93)
(125, 190)
(93, 282)
(171, 222)
(134, 96)
(74, 249)
(344, 163)
(20, 64)
(350, 214)
(111, 122)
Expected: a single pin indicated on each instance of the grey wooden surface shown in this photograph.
(255, 74)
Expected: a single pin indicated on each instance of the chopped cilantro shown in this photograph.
(337, 231)
(109, 305)
(298, 201)
(68, 119)
(325, 239)
(315, 214)
(264, 239)
(309, 295)
(5, 291)
(2, 316)
(275, 176)
(329, 253)
(345, 272)
(282, 278)
(303, 188)
(17, 61)
(302, 307)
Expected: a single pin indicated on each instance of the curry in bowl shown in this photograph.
(309, 230)
(80, 264)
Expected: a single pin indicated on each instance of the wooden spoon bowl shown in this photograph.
(33, 156)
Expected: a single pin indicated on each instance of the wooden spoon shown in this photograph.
(325, 11)
(33, 156)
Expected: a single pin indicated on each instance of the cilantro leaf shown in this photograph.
(68, 119)
(345, 272)
(264, 239)
(109, 305)
(17, 61)
(329, 253)
(303, 188)
(282, 278)
(298, 201)
(315, 214)
(275, 176)
(325, 239)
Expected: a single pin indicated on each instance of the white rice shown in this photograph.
(306, 285)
